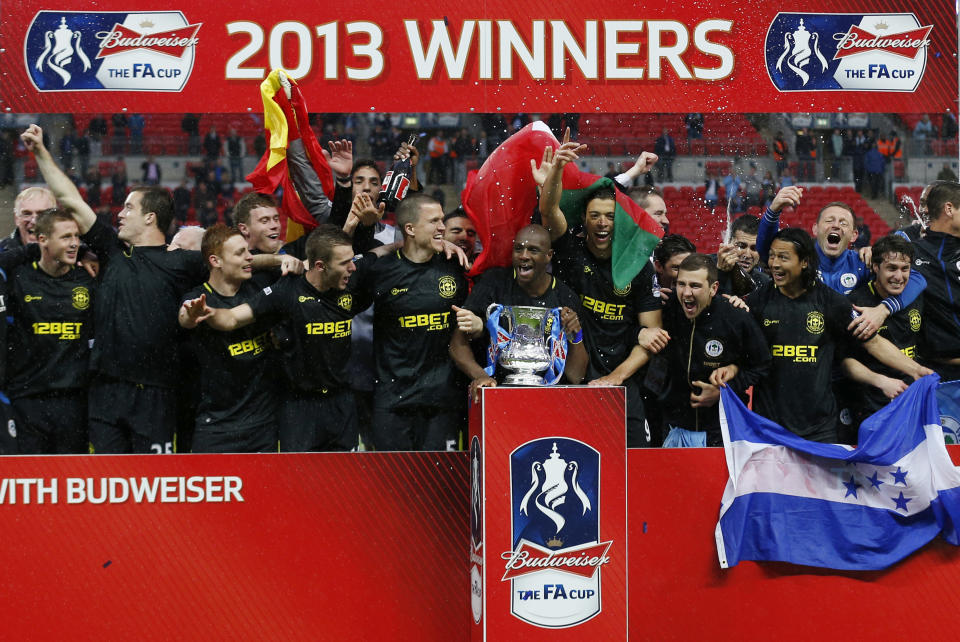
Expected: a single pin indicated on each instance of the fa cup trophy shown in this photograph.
(526, 340)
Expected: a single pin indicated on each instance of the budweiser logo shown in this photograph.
(581, 560)
(906, 43)
(173, 42)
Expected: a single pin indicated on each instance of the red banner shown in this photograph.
(242, 547)
(372, 546)
(579, 56)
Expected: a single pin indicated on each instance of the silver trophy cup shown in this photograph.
(527, 354)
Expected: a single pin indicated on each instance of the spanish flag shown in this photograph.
(285, 121)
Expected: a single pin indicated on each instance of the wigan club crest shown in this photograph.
(110, 50)
(557, 558)
(845, 51)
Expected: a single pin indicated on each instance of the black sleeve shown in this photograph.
(563, 251)
(861, 296)
(363, 239)
(481, 296)
(102, 240)
(342, 200)
(362, 297)
(568, 298)
(192, 265)
(270, 302)
(757, 300)
(644, 297)
(363, 283)
(838, 311)
(463, 288)
(297, 248)
(756, 360)
(13, 257)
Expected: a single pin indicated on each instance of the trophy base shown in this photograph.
(523, 379)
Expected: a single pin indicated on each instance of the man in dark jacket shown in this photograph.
(938, 259)
(712, 343)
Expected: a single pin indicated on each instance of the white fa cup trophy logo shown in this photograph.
(549, 489)
(799, 47)
(59, 49)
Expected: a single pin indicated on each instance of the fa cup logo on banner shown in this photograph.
(846, 51)
(799, 48)
(58, 51)
(555, 565)
(110, 50)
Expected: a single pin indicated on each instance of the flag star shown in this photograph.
(899, 477)
(875, 481)
(901, 501)
(852, 487)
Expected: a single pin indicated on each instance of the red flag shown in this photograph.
(501, 196)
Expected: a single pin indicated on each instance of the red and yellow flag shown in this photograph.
(286, 121)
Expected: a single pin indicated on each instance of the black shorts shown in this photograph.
(420, 428)
(235, 439)
(638, 430)
(318, 422)
(127, 417)
(53, 424)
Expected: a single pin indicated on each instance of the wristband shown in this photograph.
(577, 338)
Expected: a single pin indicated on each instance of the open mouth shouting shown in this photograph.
(601, 237)
(834, 243)
(524, 270)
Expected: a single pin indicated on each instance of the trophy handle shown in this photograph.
(508, 317)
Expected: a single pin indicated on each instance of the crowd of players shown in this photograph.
(363, 334)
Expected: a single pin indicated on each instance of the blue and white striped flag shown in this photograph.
(864, 508)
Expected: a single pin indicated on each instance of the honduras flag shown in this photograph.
(864, 508)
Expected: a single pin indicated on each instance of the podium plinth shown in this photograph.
(548, 513)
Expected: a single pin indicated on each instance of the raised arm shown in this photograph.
(307, 182)
(551, 169)
(66, 193)
(770, 221)
(644, 163)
